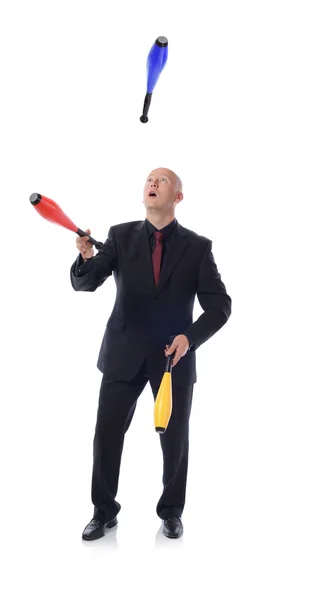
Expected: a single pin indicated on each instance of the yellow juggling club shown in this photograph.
(163, 402)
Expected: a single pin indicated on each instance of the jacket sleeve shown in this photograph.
(88, 276)
(214, 300)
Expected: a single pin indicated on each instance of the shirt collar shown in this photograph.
(167, 231)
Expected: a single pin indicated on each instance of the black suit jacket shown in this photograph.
(145, 315)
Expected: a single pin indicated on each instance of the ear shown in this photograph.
(179, 197)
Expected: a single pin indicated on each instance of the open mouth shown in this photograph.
(153, 194)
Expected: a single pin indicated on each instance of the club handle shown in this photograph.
(98, 245)
(168, 366)
(147, 101)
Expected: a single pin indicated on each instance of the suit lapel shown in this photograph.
(140, 256)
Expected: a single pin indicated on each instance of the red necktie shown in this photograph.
(156, 256)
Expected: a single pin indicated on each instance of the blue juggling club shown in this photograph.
(156, 61)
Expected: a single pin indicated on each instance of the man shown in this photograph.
(159, 267)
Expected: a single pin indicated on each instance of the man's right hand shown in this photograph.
(85, 248)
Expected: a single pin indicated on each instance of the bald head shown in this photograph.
(162, 192)
(174, 178)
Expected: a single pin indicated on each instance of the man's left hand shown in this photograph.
(180, 346)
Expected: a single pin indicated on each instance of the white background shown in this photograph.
(231, 114)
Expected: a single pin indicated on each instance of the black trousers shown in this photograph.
(117, 403)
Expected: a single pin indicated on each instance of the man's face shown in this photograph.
(160, 190)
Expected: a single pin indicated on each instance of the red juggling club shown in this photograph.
(51, 211)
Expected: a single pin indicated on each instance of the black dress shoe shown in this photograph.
(173, 527)
(95, 529)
